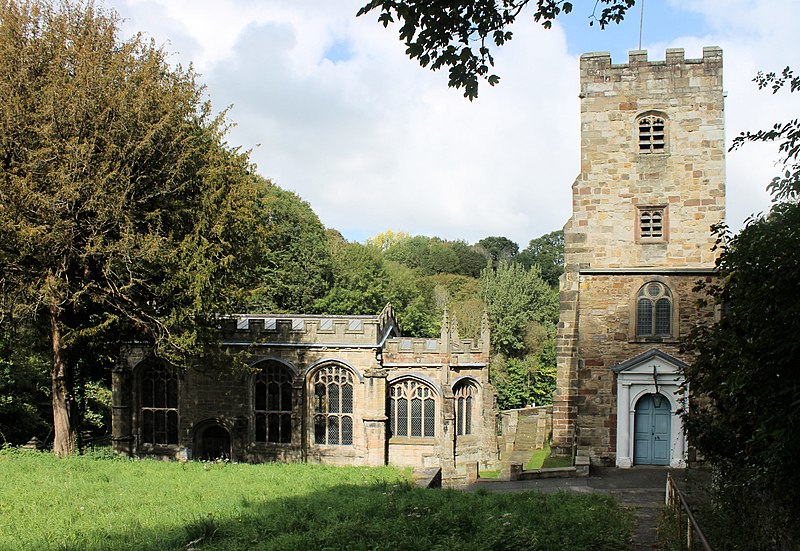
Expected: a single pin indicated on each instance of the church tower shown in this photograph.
(652, 183)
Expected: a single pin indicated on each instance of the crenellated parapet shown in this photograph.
(310, 330)
(448, 350)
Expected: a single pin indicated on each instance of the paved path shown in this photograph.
(641, 488)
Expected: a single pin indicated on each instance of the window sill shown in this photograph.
(412, 441)
(664, 340)
(651, 241)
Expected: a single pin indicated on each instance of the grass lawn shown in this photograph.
(541, 459)
(90, 503)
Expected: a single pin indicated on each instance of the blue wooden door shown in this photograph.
(651, 432)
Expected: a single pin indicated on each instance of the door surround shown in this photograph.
(653, 372)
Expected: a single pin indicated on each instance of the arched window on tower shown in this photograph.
(272, 404)
(654, 310)
(333, 406)
(466, 394)
(159, 404)
(412, 409)
(651, 130)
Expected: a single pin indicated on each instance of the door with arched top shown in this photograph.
(214, 443)
(652, 422)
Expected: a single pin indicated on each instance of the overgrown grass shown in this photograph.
(740, 519)
(92, 504)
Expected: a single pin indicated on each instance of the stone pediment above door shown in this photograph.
(644, 364)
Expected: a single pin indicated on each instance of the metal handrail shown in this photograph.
(692, 527)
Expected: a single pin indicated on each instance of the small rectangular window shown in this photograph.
(298, 324)
(651, 223)
(326, 325)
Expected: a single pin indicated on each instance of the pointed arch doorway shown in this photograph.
(651, 438)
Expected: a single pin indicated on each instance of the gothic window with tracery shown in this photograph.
(412, 409)
(159, 405)
(333, 406)
(654, 310)
(651, 134)
(273, 404)
(465, 396)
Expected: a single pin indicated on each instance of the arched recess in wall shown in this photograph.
(331, 385)
(272, 402)
(466, 396)
(157, 398)
(412, 406)
(212, 440)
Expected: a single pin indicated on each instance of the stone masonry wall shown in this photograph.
(606, 262)
(688, 178)
(368, 346)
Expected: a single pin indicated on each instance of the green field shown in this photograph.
(90, 503)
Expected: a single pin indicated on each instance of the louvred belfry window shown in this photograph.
(652, 137)
(651, 223)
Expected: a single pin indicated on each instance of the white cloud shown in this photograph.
(373, 141)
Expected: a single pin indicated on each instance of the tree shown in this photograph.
(523, 312)
(358, 279)
(386, 239)
(498, 248)
(121, 209)
(514, 297)
(744, 380)
(24, 382)
(295, 271)
(463, 34)
(547, 252)
(432, 255)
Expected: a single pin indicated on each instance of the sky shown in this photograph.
(333, 110)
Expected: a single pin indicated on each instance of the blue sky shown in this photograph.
(334, 111)
(659, 24)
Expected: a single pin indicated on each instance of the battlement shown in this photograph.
(712, 55)
(450, 347)
(596, 67)
(317, 330)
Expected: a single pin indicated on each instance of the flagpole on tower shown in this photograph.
(641, 21)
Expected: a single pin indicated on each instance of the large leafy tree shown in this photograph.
(432, 255)
(746, 415)
(498, 248)
(547, 252)
(295, 271)
(523, 312)
(463, 35)
(121, 208)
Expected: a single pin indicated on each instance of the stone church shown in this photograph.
(325, 389)
(652, 182)
(351, 390)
